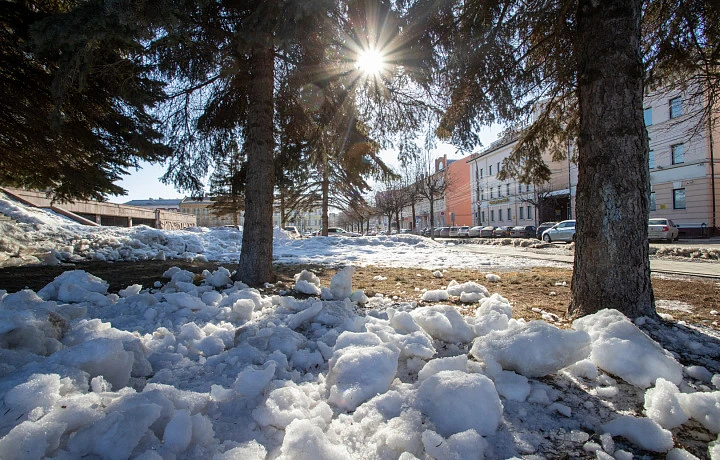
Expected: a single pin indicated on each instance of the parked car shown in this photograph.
(474, 232)
(662, 229)
(487, 232)
(523, 231)
(503, 231)
(337, 231)
(563, 231)
(453, 232)
(442, 232)
(293, 230)
(405, 231)
(542, 227)
(463, 232)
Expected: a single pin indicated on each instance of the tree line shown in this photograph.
(267, 94)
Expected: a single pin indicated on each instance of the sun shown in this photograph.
(370, 62)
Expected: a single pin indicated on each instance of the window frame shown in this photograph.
(675, 193)
(682, 153)
(675, 107)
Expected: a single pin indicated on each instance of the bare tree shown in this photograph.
(431, 185)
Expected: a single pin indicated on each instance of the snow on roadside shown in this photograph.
(209, 368)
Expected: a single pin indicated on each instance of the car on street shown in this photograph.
(442, 232)
(453, 233)
(502, 232)
(405, 231)
(487, 232)
(542, 227)
(293, 231)
(463, 232)
(474, 232)
(337, 231)
(562, 231)
(523, 231)
(664, 229)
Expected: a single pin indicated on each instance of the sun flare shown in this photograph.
(371, 62)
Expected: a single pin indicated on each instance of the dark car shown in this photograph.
(523, 231)
(442, 232)
(542, 227)
(501, 232)
(487, 231)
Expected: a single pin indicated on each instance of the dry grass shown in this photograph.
(531, 292)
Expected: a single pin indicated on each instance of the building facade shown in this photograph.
(683, 178)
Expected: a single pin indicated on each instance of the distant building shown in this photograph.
(160, 203)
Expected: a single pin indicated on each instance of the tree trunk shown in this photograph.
(432, 218)
(255, 267)
(412, 224)
(612, 267)
(325, 195)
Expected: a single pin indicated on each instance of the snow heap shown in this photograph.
(206, 367)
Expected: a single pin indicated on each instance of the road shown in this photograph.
(710, 269)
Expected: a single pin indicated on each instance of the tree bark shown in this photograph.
(325, 195)
(255, 267)
(612, 267)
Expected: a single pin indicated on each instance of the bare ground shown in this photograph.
(532, 292)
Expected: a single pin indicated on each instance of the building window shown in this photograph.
(492, 215)
(647, 115)
(509, 214)
(481, 173)
(679, 198)
(507, 189)
(652, 201)
(675, 107)
(522, 216)
(678, 154)
(491, 193)
(482, 195)
(490, 170)
(529, 214)
(519, 188)
(498, 165)
(482, 216)
(651, 159)
(499, 193)
(500, 215)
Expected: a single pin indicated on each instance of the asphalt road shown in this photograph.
(709, 269)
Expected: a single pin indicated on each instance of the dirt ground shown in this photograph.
(532, 292)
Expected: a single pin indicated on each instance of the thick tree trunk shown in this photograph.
(255, 267)
(612, 268)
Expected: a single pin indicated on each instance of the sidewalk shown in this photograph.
(673, 267)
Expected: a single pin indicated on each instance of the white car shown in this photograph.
(662, 229)
(292, 230)
(337, 231)
(562, 231)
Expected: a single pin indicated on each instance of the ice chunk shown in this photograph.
(251, 381)
(585, 368)
(282, 406)
(356, 374)
(680, 454)
(512, 386)
(622, 349)
(305, 441)
(305, 287)
(251, 450)
(40, 390)
(294, 321)
(443, 322)
(703, 407)
(455, 363)
(465, 445)
(116, 435)
(662, 405)
(341, 283)
(533, 349)
(130, 290)
(642, 432)
(178, 431)
(456, 401)
(308, 276)
(74, 286)
(104, 357)
(471, 287)
(699, 373)
(438, 295)
(218, 278)
(243, 309)
(493, 278)
(31, 440)
(357, 339)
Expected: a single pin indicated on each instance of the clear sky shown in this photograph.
(145, 183)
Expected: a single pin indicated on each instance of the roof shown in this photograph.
(497, 145)
(156, 203)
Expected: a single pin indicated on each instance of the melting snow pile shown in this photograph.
(202, 368)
